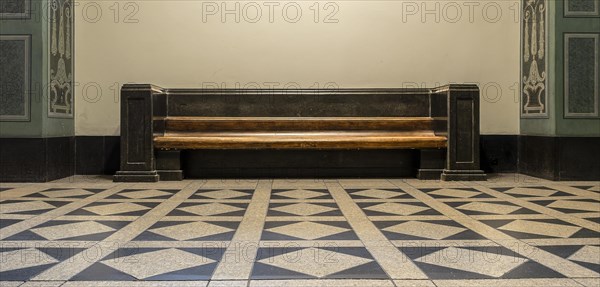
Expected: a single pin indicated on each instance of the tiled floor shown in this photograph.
(513, 230)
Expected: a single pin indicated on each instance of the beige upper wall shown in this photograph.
(374, 44)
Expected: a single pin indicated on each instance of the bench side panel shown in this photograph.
(137, 146)
(463, 159)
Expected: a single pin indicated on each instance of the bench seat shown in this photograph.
(288, 140)
(298, 133)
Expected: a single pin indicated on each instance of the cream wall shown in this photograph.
(373, 44)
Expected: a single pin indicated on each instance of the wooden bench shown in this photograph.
(157, 123)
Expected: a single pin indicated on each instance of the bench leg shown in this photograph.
(168, 164)
(431, 164)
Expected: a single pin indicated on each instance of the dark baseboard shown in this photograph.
(499, 153)
(45, 159)
(97, 155)
(36, 159)
(560, 158)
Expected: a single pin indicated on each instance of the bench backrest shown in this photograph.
(299, 103)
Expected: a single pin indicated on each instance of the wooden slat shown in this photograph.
(314, 140)
(296, 123)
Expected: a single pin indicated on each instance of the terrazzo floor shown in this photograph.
(512, 230)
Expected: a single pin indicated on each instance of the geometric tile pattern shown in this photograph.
(465, 263)
(377, 193)
(455, 193)
(223, 194)
(572, 206)
(66, 193)
(300, 194)
(587, 256)
(210, 209)
(425, 230)
(144, 194)
(21, 264)
(511, 232)
(533, 191)
(312, 263)
(303, 209)
(308, 230)
(595, 188)
(474, 263)
(68, 230)
(396, 208)
(34, 207)
(115, 208)
(159, 264)
(189, 230)
(541, 228)
(489, 208)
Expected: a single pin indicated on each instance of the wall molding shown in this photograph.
(60, 60)
(26, 115)
(571, 13)
(595, 77)
(26, 14)
(534, 60)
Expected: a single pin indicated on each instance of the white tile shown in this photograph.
(490, 264)
(135, 284)
(24, 258)
(577, 205)
(303, 209)
(139, 194)
(115, 208)
(588, 282)
(315, 262)
(531, 191)
(589, 254)
(459, 193)
(222, 194)
(228, 283)
(43, 284)
(551, 282)
(66, 193)
(308, 230)
(190, 230)
(322, 283)
(425, 229)
(24, 206)
(378, 193)
(154, 263)
(57, 232)
(210, 209)
(489, 207)
(414, 283)
(301, 194)
(541, 228)
(397, 208)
